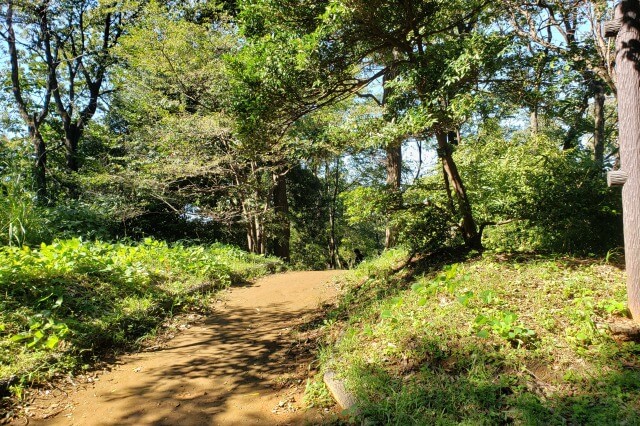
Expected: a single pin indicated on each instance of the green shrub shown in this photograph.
(556, 200)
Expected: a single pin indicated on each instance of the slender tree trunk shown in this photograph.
(254, 227)
(447, 187)
(261, 243)
(628, 88)
(255, 235)
(469, 229)
(283, 225)
(598, 132)
(40, 165)
(394, 180)
(334, 256)
(31, 120)
(251, 237)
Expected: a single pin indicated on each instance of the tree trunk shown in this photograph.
(469, 229)
(40, 165)
(334, 256)
(393, 152)
(394, 180)
(31, 120)
(72, 136)
(255, 228)
(283, 225)
(598, 132)
(628, 88)
(255, 235)
(534, 121)
(447, 187)
(251, 240)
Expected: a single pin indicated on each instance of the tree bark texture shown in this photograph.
(40, 164)
(598, 121)
(255, 234)
(628, 82)
(334, 255)
(393, 152)
(283, 225)
(469, 229)
(533, 118)
(31, 120)
(71, 140)
(394, 180)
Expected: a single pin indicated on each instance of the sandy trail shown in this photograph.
(238, 367)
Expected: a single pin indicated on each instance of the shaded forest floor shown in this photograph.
(245, 364)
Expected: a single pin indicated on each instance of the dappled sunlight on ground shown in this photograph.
(240, 366)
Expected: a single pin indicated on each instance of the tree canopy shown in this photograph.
(310, 128)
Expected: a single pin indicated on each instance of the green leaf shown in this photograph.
(417, 286)
(483, 334)
(52, 341)
(20, 337)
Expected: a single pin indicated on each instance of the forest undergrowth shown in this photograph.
(494, 339)
(71, 303)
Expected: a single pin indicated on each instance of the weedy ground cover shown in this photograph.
(494, 340)
(64, 305)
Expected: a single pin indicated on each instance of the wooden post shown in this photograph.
(626, 23)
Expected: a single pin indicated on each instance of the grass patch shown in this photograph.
(66, 304)
(489, 341)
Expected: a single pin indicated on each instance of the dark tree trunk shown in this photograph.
(469, 229)
(628, 88)
(598, 132)
(283, 226)
(39, 165)
(334, 256)
(71, 140)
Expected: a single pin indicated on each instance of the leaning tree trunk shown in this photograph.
(627, 21)
(469, 229)
(283, 226)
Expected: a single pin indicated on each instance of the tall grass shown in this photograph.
(21, 220)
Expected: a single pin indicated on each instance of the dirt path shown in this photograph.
(240, 366)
